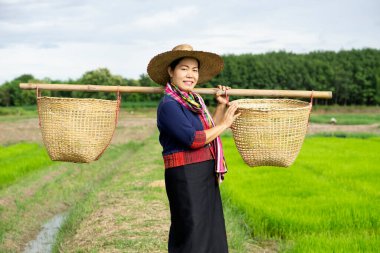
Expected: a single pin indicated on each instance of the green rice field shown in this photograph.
(19, 159)
(327, 201)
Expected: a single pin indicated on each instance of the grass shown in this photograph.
(138, 105)
(120, 198)
(326, 202)
(346, 109)
(36, 197)
(20, 159)
(345, 135)
(15, 113)
(134, 214)
(111, 204)
(345, 115)
(346, 118)
(18, 110)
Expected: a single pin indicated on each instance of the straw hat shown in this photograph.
(210, 64)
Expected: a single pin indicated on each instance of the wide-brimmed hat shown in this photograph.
(210, 64)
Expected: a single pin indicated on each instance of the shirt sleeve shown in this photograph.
(173, 121)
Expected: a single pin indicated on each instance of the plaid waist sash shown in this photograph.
(188, 157)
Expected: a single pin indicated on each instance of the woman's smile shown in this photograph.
(188, 83)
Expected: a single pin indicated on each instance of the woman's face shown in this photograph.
(185, 75)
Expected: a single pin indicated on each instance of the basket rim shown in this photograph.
(83, 99)
(303, 104)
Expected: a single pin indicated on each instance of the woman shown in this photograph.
(192, 149)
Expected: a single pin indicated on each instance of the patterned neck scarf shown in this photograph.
(194, 102)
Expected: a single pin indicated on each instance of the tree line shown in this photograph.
(352, 75)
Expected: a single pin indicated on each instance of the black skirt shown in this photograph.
(197, 221)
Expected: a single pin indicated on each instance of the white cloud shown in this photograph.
(56, 63)
(163, 19)
(62, 39)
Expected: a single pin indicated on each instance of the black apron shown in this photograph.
(197, 221)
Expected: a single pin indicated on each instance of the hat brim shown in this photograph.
(210, 65)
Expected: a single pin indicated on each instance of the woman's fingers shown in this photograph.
(223, 88)
(230, 116)
(233, 106)
(236, 116)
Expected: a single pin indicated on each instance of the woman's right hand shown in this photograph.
(230, 116)
(226, 122)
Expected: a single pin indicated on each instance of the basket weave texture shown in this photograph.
(77, 129)
(270, 132)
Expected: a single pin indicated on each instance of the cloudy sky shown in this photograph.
(62, 39)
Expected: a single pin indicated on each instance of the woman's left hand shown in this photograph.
(221, 98)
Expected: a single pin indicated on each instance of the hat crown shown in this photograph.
(184, 47)
(210, 64)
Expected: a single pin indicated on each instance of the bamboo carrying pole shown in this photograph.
(210, 91)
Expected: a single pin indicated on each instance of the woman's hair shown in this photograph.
(175, 62)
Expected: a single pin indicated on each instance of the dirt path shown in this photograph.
(328, 128)
(130, 212)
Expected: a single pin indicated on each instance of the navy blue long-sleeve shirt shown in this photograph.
(182, 134)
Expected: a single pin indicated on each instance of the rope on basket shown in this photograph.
(311, 106)
(116, 119)
(38, 94)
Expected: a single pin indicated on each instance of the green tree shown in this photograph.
(101, 76)
(12, 95)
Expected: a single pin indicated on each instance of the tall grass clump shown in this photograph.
(327, 201)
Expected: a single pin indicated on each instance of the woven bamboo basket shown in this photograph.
(270, 132)
(77, 129)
